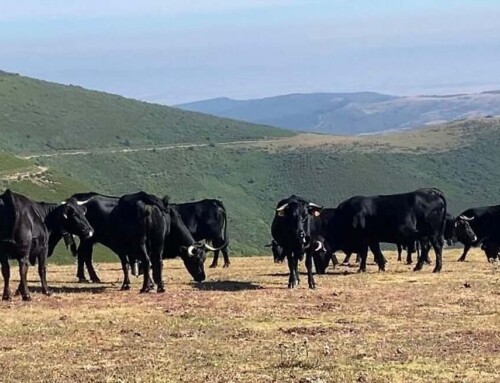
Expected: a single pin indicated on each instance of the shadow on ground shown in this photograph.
(72, 290)
(226, 286)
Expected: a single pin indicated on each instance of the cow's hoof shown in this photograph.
(491, 260)
(145, 290)
(461, 259)
(312, 286)
(6, 297)
(292, 285)
(213, 266)
(226, 265)
(436, 270)
(83, 280)
(125, 288)
(47, 292)
(417, 268)
(26, 298)
(160, 289)
(361, 271)
(409, 263)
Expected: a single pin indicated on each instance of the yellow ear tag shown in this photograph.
(316, 213)
(281, 213)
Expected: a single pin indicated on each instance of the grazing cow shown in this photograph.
(150, 231)
(25, 227)
(207, 220)
(111, 224)
(291, 229)
(474, 226)
(479, 226)
(361, 222)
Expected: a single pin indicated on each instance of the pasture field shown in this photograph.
(244, 325)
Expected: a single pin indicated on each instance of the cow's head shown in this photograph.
(194, 257)
(294, 217)
(72, 218)
(277, 251)
(321, 257)
(491, 249)
(463, 231)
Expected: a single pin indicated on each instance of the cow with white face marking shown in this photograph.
(291, 229)
(476, 226)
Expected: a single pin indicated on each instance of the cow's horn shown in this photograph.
(319, 246)
(63, 202)
(281, 208)
(465, 218)
(190, 251)
(79, 203)
(314, 205)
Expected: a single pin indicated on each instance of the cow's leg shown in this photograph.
(379, 256)
(215, 260)
(225, 253)
(143, 257)
(126, 277)
(292, 280)
(157, 266)
(347, 259)
(23, 274)
(85, 260)
(424, 251)
(42, 272)
(358, 257)
(363, 255)
(6, 277)
(410, 248)
(90, 268)
(335, 261)
(400, 251)
(437, 245)
(466, 250)
(80, 268)
(310, 276)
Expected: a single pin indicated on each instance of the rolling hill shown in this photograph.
(351, 113)
(249, 175)
(39, 116)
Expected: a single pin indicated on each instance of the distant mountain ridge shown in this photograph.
(351, 113)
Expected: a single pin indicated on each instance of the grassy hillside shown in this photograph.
(41, 116)
(461, 158)
(351, 113)
(250, 179)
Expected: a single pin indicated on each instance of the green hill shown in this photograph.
(42, 116)
(461, 158)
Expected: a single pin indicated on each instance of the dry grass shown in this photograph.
(243, 325)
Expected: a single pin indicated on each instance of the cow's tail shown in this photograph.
(8, 199)
(441, 195)
(222, 209)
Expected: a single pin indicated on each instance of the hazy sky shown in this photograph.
(172, 51)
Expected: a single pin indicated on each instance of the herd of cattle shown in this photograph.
(143, 229)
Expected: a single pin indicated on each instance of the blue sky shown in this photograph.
(176, 51)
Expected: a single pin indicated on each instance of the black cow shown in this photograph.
(291, 229)
(111, 225)
(362, 222)
(207, 220)
(476, 225)
(149, 230)
(25, 227)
